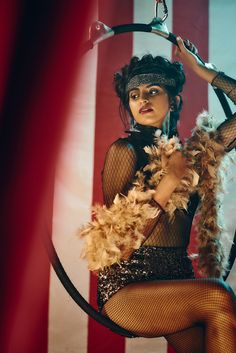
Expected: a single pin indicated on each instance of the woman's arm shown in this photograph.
(226, 130)
(191, 60)
(121, 227)
(206, 72)
(119, 170)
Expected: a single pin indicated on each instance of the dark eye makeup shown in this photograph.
(152, 90)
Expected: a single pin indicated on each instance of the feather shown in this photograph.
(116, 232)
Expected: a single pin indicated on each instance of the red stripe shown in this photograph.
(112, 54)
(192, 22)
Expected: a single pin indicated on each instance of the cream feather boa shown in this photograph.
(116, 231)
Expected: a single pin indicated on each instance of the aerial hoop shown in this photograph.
(99, 32)
(75, 294)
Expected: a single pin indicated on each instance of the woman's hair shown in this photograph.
(151, 64)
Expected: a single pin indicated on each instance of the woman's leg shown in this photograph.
(162, 308)
(191, 340)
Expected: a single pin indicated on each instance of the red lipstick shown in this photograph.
(145, 109)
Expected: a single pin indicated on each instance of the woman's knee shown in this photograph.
(221, 297)
(214, 296)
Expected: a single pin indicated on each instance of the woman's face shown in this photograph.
(149, 104)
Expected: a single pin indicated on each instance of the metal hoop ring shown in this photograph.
(98, 33)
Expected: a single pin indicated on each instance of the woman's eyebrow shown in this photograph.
(134, 89)
(153, 84)
(147, 86)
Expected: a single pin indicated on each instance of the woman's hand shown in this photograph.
(186, 51)
(176, 165)
(174, 162)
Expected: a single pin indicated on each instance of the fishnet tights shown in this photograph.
(195, 316)
(191, 340)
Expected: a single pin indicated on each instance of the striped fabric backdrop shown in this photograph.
(94, 123)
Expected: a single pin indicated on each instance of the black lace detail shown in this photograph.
(226, 84)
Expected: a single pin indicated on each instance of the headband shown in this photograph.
(151, 78)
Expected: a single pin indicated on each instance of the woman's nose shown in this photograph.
(144, 97)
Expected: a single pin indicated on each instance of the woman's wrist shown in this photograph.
(175, 176)
(206, 73)
(165, 189)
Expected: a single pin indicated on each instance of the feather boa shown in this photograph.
(115, 232)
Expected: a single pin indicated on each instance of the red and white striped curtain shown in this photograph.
(38, 314)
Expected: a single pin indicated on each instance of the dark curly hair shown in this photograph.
(150, 64)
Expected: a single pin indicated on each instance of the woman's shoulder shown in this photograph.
(121, 149)
(128, 148)
(123, 144)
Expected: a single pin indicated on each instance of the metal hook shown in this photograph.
(165, 10)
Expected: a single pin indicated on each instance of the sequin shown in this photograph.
(148, 263)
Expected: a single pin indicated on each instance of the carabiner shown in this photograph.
(165, 10)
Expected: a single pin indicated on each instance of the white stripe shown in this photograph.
(144, 43)
(222, 52)
(222, 45)
(72, 208)
(145, 345)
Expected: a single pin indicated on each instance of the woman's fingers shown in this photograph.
(164, 160)
(180, 48)
(187, 56)
(184, 45)
(177, 164)
(180, 43)
(190, 46)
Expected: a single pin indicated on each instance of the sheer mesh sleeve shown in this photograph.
(227, 133)
(119, 170)
(226, 84)
(118, 174)
(227, 130)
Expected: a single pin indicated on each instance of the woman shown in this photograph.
(138, 241)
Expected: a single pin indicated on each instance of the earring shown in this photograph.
(173, 106)
(166, 124)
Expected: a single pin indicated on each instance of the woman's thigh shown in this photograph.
(160, 308)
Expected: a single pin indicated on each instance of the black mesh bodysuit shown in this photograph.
(154, 293)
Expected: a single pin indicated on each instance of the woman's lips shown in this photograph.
(145, 110)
